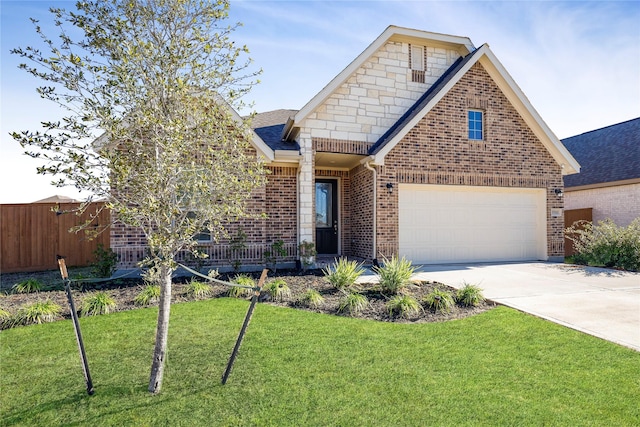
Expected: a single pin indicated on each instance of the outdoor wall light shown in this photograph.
(559, 192)
(390, 187)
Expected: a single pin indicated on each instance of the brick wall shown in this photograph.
(361, 212)
(621, 203)
(277, 200)
(437, 151)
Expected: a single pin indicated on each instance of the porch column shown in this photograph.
(305, 191)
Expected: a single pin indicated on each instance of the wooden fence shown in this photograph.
(31, 235)
(571, 216)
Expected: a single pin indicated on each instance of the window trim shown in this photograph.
(472, 131)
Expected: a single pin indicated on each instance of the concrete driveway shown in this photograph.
(601, 302)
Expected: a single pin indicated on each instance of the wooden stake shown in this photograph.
(247, 319)
(76, 325)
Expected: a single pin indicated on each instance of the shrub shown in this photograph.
(150, 294)
(469, 295)
(311, 298)
(353, 303)
(307, 252)
(278, 290)
(98, 303)
(5, 319)
(394, 275)
(106, 261)
(27, 286)
(243, 280)
(404, 306)
(606, 244)
(276, 250)
(198, 290)
(439, 300)
(342, 274)
(36, 313)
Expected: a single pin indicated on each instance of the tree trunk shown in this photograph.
(162, 331)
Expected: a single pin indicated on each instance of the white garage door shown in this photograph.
(450, 223)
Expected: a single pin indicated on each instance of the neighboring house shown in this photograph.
(423, 146)
(57, 199)
(609, 183)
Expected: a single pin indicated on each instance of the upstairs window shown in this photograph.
(417, 62)
(476, 128)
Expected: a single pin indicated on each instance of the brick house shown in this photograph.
(609, 184)
(423, 146)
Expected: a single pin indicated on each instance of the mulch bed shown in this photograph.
(125, 290)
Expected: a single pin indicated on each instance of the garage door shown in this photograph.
(449, 224)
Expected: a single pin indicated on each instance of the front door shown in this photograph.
(327, 216)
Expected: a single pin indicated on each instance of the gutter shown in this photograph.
(367, 164)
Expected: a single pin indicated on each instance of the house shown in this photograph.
(609, 184)
(423, 146)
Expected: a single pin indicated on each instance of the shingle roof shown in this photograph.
(269, 126)
(606, 155)
(421, 102)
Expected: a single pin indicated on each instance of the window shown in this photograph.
(476, 131)
(417, 62)
(324, 203)
(203, 235)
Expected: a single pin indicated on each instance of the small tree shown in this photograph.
(156, 78)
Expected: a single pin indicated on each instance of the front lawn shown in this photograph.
(500, 367)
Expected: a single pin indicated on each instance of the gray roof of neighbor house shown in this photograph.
(58, 199)
(606, 155)
(269, 126)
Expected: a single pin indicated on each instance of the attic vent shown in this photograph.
(417, 62)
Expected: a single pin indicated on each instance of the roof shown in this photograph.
(269, 126)
(608, 154)
(509, 88)
(57, 199)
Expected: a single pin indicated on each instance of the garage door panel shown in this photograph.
(465, 224)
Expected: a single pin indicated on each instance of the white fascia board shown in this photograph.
(390, 32)
(528, 113)
(288, 156)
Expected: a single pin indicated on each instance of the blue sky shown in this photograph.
(577, 62)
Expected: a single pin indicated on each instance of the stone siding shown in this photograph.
(371, 100)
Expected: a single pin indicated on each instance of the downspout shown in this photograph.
(367, 165)
(298, 260)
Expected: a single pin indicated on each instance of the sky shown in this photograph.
(577, 62)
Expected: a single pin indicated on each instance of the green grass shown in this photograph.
(301, 368)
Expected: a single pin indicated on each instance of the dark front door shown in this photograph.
(327, 216)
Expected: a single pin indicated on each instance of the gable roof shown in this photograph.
(608, 154)
(509, 88)
(392, 32)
